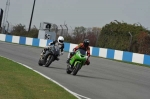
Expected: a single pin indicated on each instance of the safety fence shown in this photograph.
(95, 51)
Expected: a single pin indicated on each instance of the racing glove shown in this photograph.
(61, 53)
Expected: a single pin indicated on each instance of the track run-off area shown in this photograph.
(102, 79)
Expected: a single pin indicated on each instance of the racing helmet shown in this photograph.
(86, 42)
(60, 39)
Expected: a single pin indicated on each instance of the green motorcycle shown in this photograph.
(76, 62)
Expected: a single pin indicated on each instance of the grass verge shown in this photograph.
(19, 82)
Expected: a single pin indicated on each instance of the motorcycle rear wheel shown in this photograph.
(39, 62)
(68, 71)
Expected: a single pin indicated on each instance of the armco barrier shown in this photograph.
(100, 52)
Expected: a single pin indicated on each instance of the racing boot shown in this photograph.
(87, 62)
(68, 60)
(42, 54)
(57, 58)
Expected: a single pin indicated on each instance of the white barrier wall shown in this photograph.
(100, 52)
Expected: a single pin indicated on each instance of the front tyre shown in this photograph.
(77, 68)
(49, 60)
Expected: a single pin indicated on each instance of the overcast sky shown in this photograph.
(87, 13)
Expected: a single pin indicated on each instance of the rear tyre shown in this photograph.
(68, 71)
(39, 62)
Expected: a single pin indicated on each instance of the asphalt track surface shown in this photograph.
(102, 79)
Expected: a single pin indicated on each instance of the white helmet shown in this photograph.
(60, 39)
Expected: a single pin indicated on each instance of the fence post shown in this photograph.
(130, 41)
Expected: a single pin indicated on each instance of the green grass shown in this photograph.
(19, 82)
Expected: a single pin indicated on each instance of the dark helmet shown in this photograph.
(48, 26)
(86, 42)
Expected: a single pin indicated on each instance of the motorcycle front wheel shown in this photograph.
(76, 69)
(49, 60)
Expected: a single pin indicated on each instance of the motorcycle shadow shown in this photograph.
(84, 76)
(100, 78)
(57, 68)
(88, 76)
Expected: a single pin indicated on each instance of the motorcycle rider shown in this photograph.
(84, 46)
(59, 41)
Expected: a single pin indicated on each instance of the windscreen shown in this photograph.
(83, 52)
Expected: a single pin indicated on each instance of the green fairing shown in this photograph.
(78, 58)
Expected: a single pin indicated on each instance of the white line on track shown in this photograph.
(73, 93)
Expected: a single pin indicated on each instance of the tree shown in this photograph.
(79, 30)
(81, 33)
(20, 30)
(143, 41)
(115, 35)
